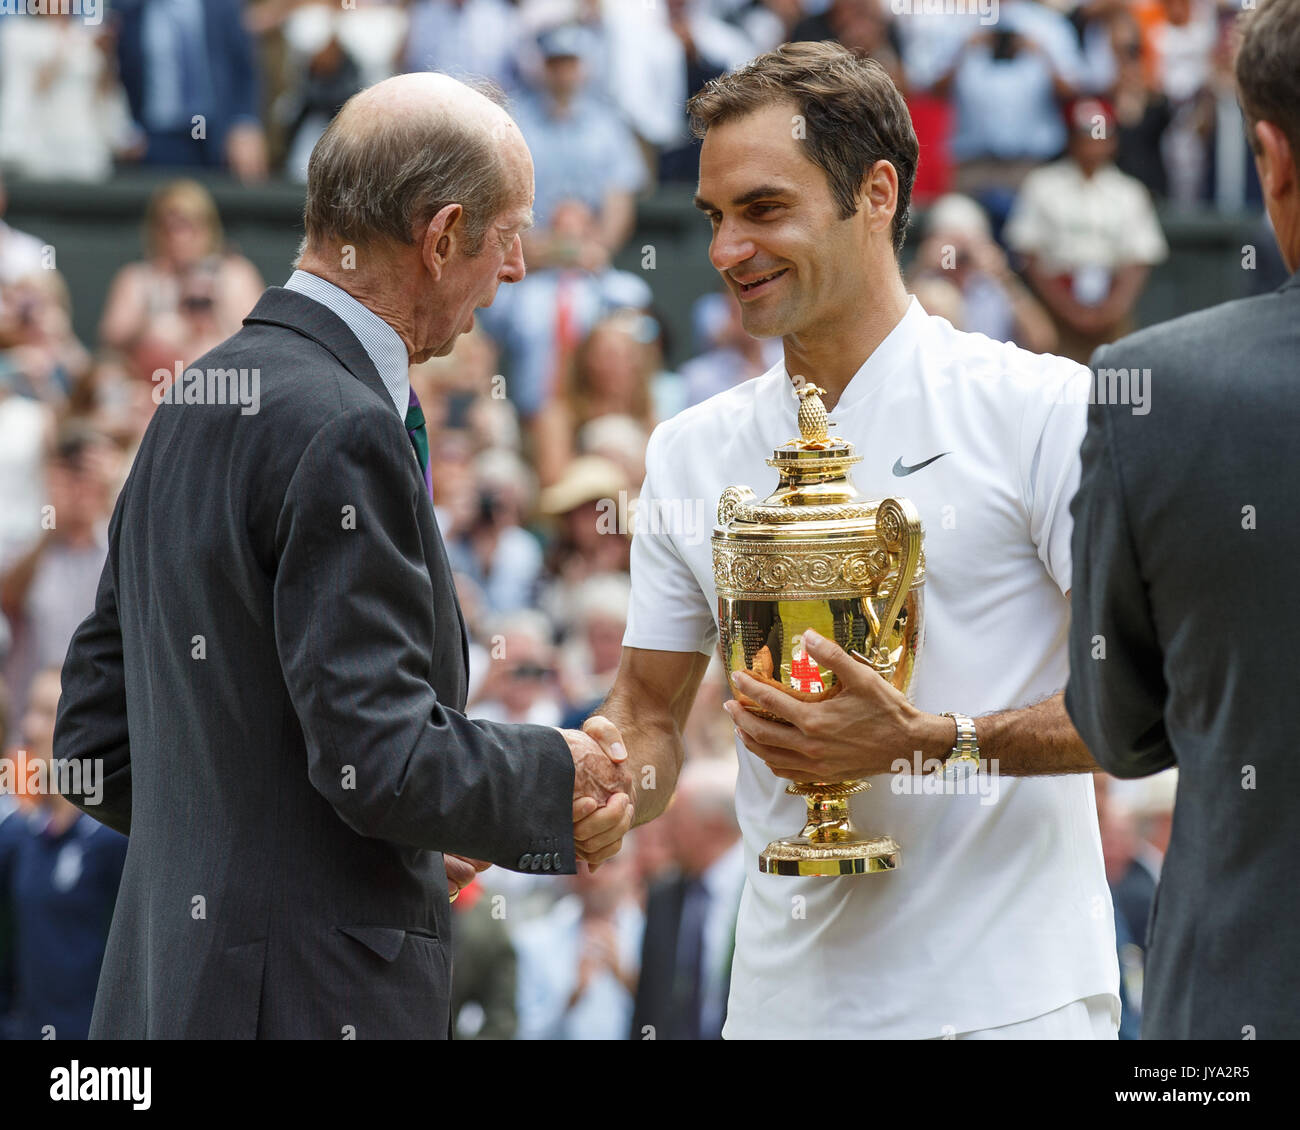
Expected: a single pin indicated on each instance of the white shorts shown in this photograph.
(1093, 1018)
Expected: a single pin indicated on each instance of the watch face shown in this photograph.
(960, 768)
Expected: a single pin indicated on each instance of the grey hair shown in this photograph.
(386, 179)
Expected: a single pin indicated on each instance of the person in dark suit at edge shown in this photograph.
(1184, 616)
(270, 690)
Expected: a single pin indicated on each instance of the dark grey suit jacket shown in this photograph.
(1186, 544)
(289, 780)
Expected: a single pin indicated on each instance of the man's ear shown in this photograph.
(1274, 159)
(439, 239)
(880, 195)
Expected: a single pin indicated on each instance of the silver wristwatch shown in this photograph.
(966, 753)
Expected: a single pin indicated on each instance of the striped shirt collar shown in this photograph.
(380, 341)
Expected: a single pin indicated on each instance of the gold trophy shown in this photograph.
(814, 554)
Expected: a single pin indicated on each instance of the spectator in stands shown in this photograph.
(324, 76)
(767, 23)
(655, 56)
(522, 680)
(581, 151)
(731, 355)
(59, 875)
(192, 83)
(959, 247)
(41, 355)
(618, 438)
(20, 254)
(578, 963)
(491, 548)
(1181, 46)
(48, 590)
(1007, 83)
(541, 321)
(188, 294)
(27, 429)
(1149, 805)
(612, 373)
(63, 115)
(698, 48)
(1142, 112)
(864, 27)
(1089, 235)
(590, 658)
(591, 505)
(690, 921)
(464, 38)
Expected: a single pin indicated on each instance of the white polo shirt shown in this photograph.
(999, 911)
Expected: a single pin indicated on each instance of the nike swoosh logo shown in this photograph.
(900, 470)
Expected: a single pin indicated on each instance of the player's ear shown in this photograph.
(879, 195)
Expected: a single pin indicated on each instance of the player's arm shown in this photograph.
(649, 704)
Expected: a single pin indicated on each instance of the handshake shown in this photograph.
(602, 800)
(602, 790)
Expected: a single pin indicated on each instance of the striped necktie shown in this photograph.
(419, 438)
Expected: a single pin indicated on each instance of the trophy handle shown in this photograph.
(899, 524)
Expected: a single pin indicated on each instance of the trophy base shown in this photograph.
(829, 844)
(798, 856)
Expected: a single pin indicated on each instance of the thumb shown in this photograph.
(829, 654)
(607, 734)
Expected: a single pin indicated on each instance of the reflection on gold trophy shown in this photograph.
(814, 554)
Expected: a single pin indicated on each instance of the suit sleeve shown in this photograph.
(91, 724)
(355, 631)
(1117, 690)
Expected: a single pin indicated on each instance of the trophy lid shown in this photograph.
(814, 485)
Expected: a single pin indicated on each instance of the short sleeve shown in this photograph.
(1028, 229)
(1052, 431)
(668, 610)
(1144, 241)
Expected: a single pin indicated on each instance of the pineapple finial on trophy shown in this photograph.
(813, 419)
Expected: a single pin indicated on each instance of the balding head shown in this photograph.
(404, 149)
(417, 197)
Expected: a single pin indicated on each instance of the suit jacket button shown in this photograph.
(524, 861)
(537, 862)
(546, 861)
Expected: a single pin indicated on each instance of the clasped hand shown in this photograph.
(603, 809)
(860, 732)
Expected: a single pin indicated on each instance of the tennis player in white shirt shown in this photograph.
(998, 923)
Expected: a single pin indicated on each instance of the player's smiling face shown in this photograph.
(778, 239)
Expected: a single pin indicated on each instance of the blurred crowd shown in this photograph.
(1048, 139)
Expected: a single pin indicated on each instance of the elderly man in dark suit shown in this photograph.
(274, 675)
(1182, 643)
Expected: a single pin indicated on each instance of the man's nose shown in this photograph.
(729, 248)
(513, 269)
